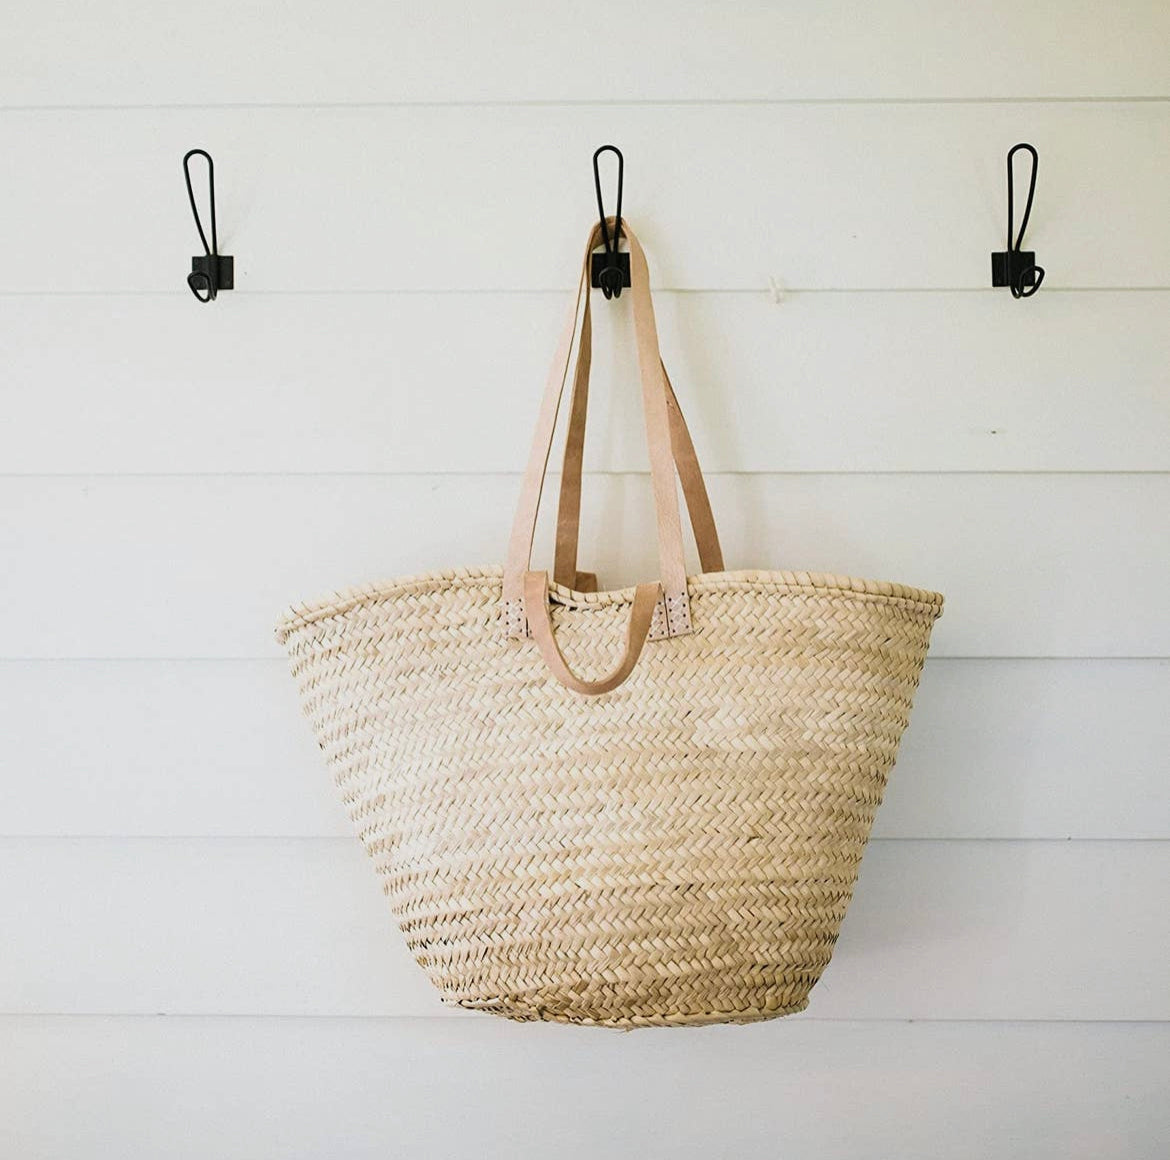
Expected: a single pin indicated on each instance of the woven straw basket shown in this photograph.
(671, 840)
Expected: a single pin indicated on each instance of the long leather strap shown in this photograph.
(694, 486)
(686, 463)
(527, 506)
(569, 505)
(673, 614)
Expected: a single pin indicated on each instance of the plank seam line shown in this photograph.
(275, 658)
(278, 657)
(512, 291)
(463, 1018)
(636, 473)
(350, 838)
(583, 103)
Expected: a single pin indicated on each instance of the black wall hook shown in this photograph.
(1013, 267)
(212, 271)
(610, 270)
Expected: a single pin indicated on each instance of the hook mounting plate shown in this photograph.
(218, 269)
(1013, 268)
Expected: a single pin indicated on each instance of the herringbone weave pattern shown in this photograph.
(680, 850)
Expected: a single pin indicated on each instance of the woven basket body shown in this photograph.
(672, 840)
(681, 850)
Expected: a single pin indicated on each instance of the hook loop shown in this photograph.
(214, 247)
(197, 280)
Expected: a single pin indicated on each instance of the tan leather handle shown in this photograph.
(694, 487)
(673, 604)
(646, 598)
(686, 463)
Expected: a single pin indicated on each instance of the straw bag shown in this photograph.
(671, 839)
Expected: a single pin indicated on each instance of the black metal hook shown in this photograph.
(610, 270)
(212, 271)
(1013, 267)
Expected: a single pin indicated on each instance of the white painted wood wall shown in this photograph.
(197, 961)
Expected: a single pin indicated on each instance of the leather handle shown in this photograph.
(536, 608)
(686, 462)
(672, 566)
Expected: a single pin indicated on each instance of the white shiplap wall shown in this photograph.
(197, 961)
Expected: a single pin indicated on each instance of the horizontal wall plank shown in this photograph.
(856, 382)
(1043, 749)
(292, 1089)
(938, 930)
(189, 566)
(523, 50)
(473, 198)
(996, 749)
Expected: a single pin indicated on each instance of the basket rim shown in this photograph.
(345, 600)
